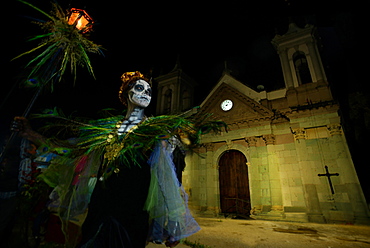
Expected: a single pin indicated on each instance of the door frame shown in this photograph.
(216, 159)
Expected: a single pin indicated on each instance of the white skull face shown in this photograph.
(141, 94)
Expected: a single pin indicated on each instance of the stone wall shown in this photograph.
(284, 164)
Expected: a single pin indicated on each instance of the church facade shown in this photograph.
(285, 156)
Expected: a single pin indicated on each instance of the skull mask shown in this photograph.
(140, 94)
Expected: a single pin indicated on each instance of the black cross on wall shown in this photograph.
(327, 174)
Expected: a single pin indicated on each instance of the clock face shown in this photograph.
(226, 105)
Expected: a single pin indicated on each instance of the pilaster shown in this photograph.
(254, 174)
(277, 209)
(349, 192)
(314, 212)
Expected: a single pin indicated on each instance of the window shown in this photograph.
(167, 101)
(185, 100)
(301, 68)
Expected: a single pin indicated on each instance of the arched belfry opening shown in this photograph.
(299, 56)
(234, 184)
(301, 67)
(175, 91)
(167, 101)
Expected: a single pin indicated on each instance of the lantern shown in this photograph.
(80, 19)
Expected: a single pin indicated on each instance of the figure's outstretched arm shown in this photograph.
(24, 129)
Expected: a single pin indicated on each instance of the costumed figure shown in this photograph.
(121, 172)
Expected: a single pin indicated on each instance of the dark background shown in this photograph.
(150, 36)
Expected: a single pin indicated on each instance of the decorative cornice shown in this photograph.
(292, 113)
(249, 122)
(269, 139)
(299, 133)
(335, 129)
(229, 144)
(209, 147)
(313, 105)
(251, 141)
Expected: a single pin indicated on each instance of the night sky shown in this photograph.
(150, 36)
(137, 35)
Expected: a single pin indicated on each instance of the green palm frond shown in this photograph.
(62, 46)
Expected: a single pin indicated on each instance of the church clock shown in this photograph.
(226, 105)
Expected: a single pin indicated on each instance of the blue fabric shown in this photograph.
(167, 200)
(7, 195)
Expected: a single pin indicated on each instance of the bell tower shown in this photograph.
(299, 56)
(175, 92)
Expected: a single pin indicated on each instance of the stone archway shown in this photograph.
(234, 183)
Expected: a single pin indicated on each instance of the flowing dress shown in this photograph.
(127, 183)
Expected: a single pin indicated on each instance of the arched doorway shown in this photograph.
(234, 184)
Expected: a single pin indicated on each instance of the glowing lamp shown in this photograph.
(80, 19)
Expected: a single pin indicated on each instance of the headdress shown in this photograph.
(128, 78)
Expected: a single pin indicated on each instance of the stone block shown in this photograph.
(260, 170)
(285, 153)
(291, 147)
(289, 160)
(265, 192)
(287, 198)
(295, 181)
(299, 202)
(201, 178)
(279, 148)
(296, 217)
(264, 160)
(212, 199)
(294, 209)
(265, 184)
(340, 217)
(285, 169)
(295, 197)
(316, 218)
(297, 167)
(325, 197)
(265, 200)
(284, 182)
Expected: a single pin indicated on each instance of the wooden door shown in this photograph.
(234, 184)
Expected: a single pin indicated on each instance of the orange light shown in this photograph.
(80, 19)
